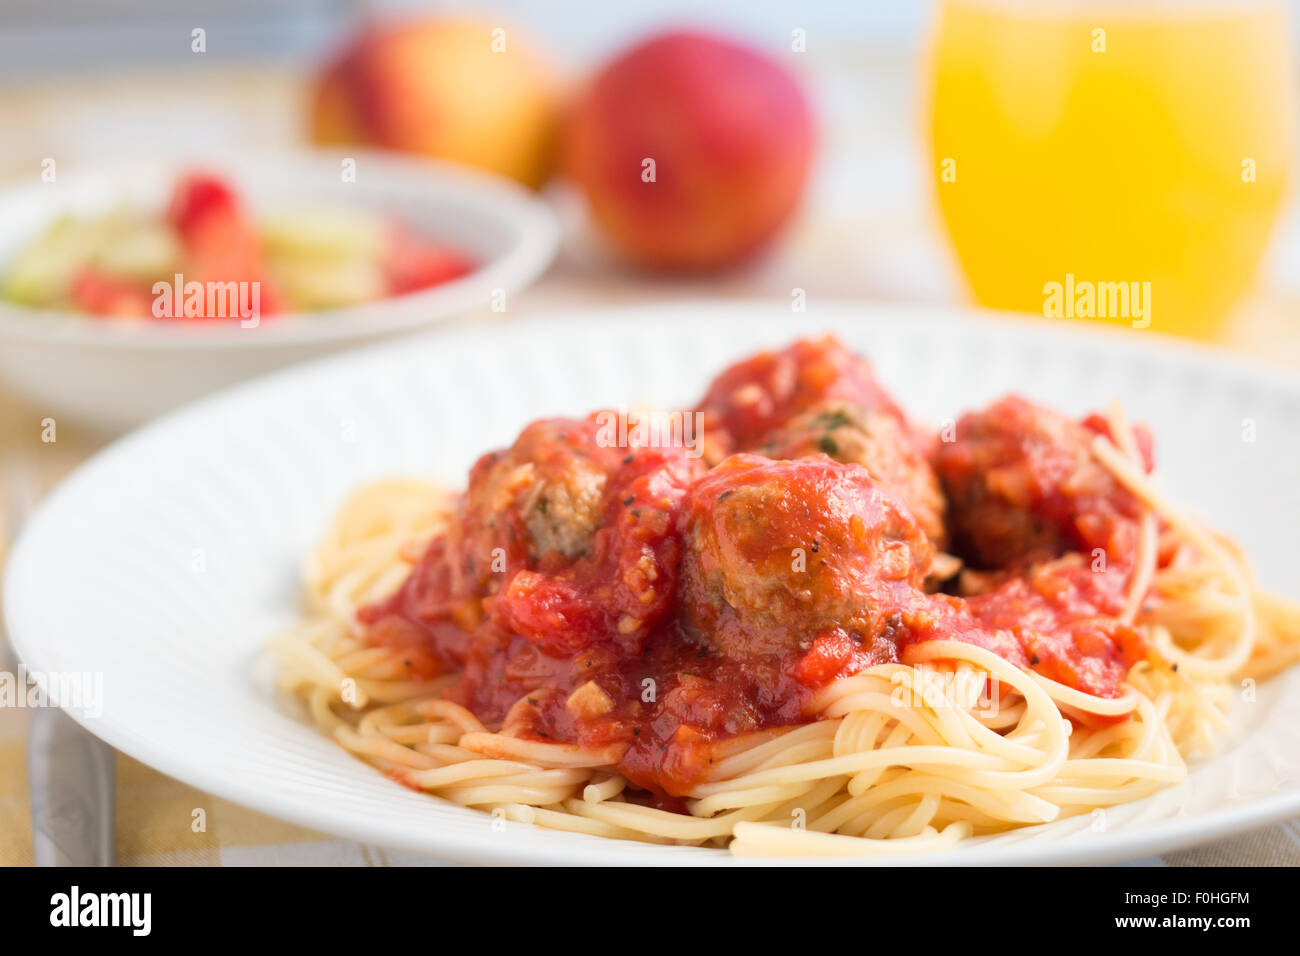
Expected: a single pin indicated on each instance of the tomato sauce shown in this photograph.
(633, 598)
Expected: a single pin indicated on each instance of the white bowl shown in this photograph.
(113, 375)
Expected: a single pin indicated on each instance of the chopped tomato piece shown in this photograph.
(101, 294)
(828, 656)
(414, 263)
(220, 240)
(198, 197)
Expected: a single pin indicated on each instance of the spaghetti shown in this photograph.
(949, 738)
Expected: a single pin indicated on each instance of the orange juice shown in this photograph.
(1112, 146)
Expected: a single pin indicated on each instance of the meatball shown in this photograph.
(779, 552)
(1023, 486)
(541, 496)
(753, 397)
(876, 441)
(566, 539)
(627, 582)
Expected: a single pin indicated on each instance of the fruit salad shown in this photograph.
(125, 264)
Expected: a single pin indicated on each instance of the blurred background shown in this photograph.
(102, 77)
(936, 152)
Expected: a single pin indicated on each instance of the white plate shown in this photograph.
(113, 375)
(165, 561)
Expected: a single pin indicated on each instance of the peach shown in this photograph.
(692, 151)
(452, 89)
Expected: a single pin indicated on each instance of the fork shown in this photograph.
(71, 773)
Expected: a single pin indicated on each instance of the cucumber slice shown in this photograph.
(142, 250)
(315, 285)
(324, 234)
(41, 274)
